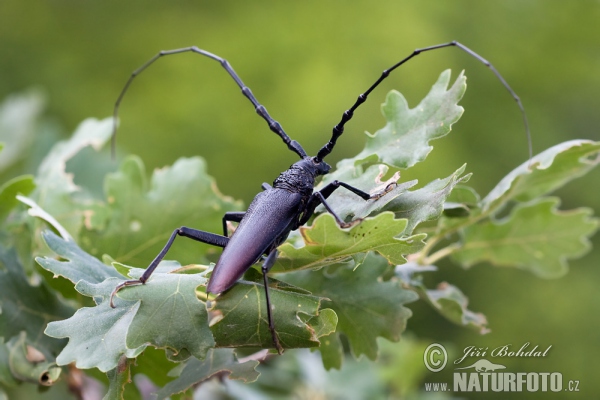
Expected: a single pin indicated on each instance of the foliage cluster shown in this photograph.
(334, 290)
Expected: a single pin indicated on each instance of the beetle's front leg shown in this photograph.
(199, 236)
(321, 196)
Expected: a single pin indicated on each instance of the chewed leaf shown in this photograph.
(536, 237)
(55, 190)
(326, 243)
(404, 141)
(546, 172)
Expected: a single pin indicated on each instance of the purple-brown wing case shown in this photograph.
(270, 216)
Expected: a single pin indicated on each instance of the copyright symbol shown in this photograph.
(435, 357)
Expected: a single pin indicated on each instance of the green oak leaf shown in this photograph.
(535, 237)
(427, 202)
(446, 299)
(462, 202)
(348, 205)
(141, 216)
(164, 312)
(366, 306)
(80, 265)
(404, 141)
(25, 307)
(332, 351)
(170, 315)
(452, 304)
(56, 192)
(545, 172)
(217, 361)
(239, 316)
(326, 243)
(97, 335)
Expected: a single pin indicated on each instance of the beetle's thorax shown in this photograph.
(300, 177)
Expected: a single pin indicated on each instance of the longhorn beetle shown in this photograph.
(283, 207)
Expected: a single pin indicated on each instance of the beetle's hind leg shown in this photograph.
(266, 267)
(199, 236)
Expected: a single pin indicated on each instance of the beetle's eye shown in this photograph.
(315, 160)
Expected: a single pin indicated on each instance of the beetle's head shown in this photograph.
(314, 165)
(321, 166)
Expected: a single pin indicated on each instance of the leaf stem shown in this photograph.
(438, 255)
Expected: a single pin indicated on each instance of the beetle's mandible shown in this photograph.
(288, 203)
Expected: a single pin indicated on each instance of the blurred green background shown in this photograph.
(307, 62)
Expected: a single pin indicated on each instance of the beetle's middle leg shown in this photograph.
(233, 216)
(199, 236)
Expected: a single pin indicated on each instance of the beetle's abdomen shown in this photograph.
(268, 221)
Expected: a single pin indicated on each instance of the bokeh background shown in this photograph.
(307, 62)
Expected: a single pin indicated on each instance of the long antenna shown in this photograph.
(347, 116)
(260, 109)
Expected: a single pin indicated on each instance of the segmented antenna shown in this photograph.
(348, 114)
(274, 126)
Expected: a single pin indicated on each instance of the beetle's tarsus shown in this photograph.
(121, 286)
(385, 191)
(278, 346)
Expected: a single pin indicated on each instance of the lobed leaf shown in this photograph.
(170, 315)
(164, 312)
(140, 217)
(545, 173)
(404, 141)
(348, 205)
(55, 191)
(97, 335)
(536, 237)
(326, 243)
(367, 307)
(80, 266)
(426, 203)
(452, 304)
(218, 361)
